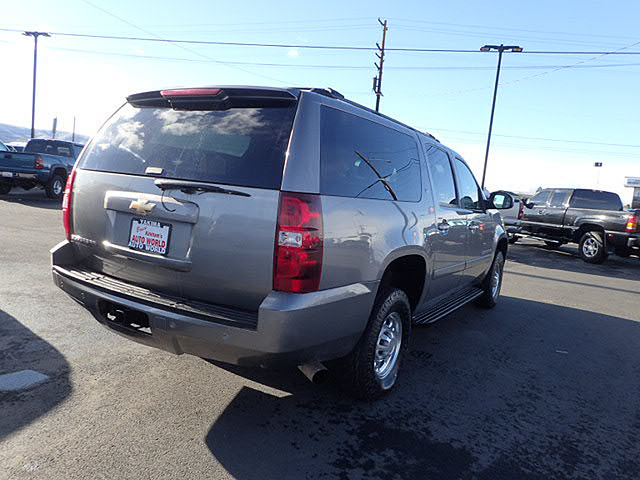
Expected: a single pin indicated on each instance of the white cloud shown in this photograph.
(294, 52)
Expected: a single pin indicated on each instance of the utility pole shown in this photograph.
(377, 81)
(73, 135)
(500, 48)
(35, 36)
(598, 166)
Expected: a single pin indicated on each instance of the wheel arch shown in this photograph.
(59, 170)
(502, 245)
(406, 269)
(587, 227)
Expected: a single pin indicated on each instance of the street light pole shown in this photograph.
(500, 48)
(35, 36)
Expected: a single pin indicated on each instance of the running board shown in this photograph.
(447, 306)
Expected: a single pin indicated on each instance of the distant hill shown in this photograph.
(13, 133)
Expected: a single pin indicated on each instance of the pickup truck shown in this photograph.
(595, 220)
(44, 163)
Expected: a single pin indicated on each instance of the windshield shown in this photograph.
(239, 146)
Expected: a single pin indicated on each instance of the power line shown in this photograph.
(518, 38)
(157, 38)
(564, 140)
(278, 22)
(313, 47)
(546, 72)
(511, 29)
(583, 151)
(345, 67)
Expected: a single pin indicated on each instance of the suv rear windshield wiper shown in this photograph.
(381, 179)
(195, 187)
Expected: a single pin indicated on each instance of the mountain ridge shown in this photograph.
(14, 133)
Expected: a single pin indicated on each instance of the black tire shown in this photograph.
(5, 188)
(513, 239)
(492, 283)
(552, 244)
(55, 188)
(591, 247)
(357, 371)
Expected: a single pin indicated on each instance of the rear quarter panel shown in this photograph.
(609, 220)
(361, 236)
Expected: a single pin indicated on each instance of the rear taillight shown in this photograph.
(67, 203)
(633, 224)
(299, 239)
(521, 210)
(39, 162)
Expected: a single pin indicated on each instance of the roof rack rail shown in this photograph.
(431, 136)
(328, 92)
(331, 93)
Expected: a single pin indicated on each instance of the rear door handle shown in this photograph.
(443, 226)
(541, 211)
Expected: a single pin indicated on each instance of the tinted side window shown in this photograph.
(442, 176)
(360, 158)
(560, 198)
(470, 197)
(596, 200)
(541, 198)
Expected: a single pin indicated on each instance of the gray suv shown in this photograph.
(263, 226)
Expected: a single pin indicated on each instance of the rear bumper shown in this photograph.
(24, 176)
(289, 329)
(623, 240)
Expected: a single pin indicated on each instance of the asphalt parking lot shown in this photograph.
(546, 385)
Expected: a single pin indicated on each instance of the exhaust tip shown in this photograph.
(315, 372)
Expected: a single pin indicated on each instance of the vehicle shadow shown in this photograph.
(21, 349)
(527, 391)
(33, 198)
(534, 253)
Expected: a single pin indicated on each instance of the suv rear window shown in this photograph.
(596, 200)
(239, 146)
(358, 157)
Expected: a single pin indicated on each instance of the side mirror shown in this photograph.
(501, 200)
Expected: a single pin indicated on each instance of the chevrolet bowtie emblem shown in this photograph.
(142, 206)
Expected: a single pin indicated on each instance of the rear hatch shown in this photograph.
(179, 190)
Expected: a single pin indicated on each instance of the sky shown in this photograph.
(555, 114)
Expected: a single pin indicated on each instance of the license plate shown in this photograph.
(149, 236)
(7, 174)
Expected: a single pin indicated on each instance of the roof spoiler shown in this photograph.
(212, 98)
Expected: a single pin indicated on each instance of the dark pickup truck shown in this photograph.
(594, 219)
(44, 163)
